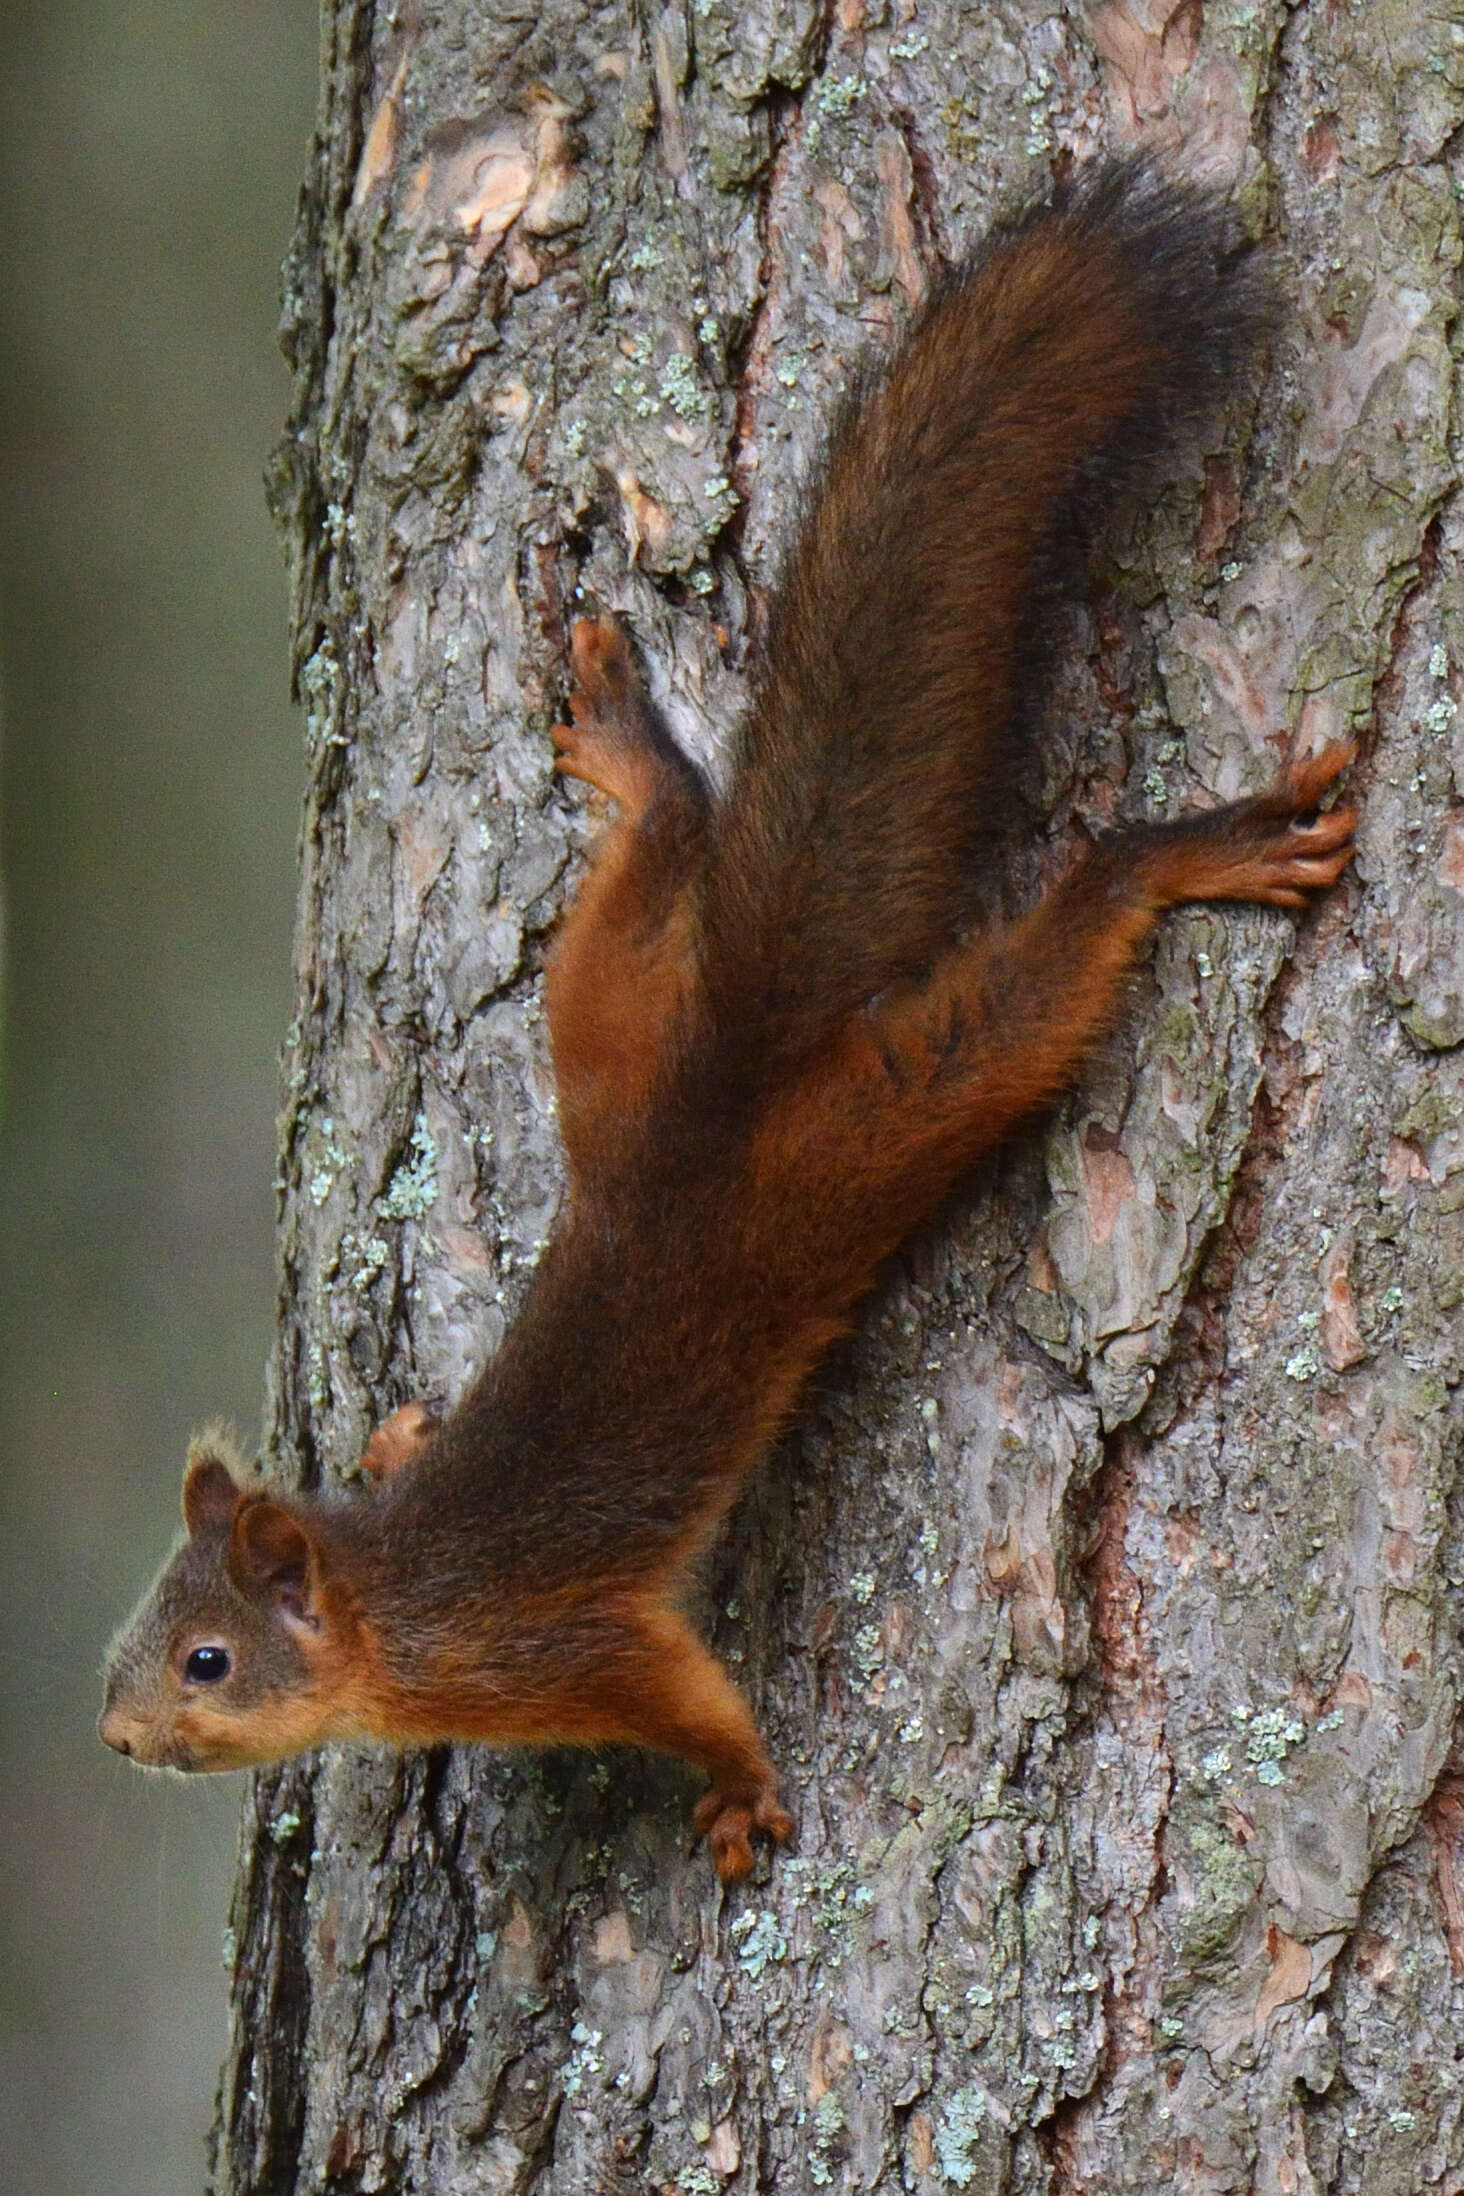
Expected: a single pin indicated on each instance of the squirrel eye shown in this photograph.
(206, 1665)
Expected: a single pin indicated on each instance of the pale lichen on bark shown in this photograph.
(1105, 1614)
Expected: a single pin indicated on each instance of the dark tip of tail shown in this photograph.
(1208, 302)
(1212, 293)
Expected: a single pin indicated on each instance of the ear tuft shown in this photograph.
(271, 1551)
(218, 1439)
(210, 1494)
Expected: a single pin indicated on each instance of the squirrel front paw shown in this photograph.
(726, 1825)
(398, 1439)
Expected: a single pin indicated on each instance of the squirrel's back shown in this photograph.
(1058, 370)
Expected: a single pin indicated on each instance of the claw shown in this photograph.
(1307, 778)
(726, 1824)
(1328, 831)
(597, 652)
(611, 743)
(1309, 850)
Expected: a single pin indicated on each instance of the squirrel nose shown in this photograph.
(112, 1731)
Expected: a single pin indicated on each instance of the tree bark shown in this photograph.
(1103, 1616)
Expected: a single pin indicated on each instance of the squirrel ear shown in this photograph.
(210, 1496)
(270, 1551)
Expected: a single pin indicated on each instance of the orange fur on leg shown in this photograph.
(1007, 1019)
(673, 1694)
(622, 964)
(912, 1090)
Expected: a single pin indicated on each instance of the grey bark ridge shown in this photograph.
(1105, 1615)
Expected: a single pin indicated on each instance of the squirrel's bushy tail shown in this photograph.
(1060, 369)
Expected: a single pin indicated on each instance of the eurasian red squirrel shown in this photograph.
(783, 1029)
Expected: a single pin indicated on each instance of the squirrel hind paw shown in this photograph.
(606, 688)
(727, 1824)
(599, 655)
(1298, 857)
(1308, 777)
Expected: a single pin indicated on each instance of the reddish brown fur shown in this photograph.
(398, 1439)
(611, 1010)
(779, 1040)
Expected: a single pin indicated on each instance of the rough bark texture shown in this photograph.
(1105, 1614)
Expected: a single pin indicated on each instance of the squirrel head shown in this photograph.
(238, 1651)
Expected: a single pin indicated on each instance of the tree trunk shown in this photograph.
(1100, 1614)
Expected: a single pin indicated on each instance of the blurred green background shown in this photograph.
(151, 784)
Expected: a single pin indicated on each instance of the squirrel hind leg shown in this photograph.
(622, 963)
(1274, 849)
(617, 741)
(940, 1071)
